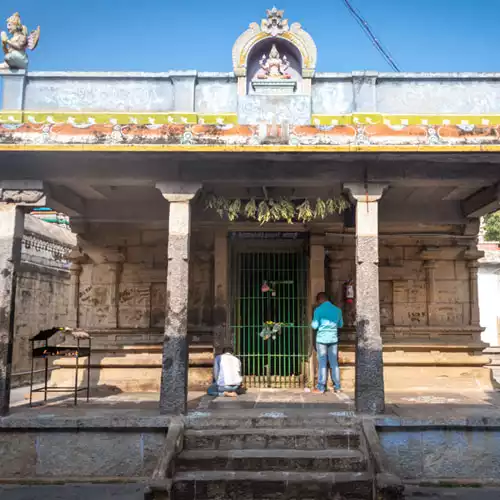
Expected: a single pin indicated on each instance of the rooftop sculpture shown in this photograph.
(15, 47)
(289, 38)
(274, 24)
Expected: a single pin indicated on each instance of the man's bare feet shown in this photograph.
(230, 395)
(317, 391)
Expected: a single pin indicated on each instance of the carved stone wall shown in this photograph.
(42, 297)
(131, 294)
(417, 296)
(201, 280)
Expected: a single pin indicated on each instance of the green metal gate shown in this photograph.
(269, 310)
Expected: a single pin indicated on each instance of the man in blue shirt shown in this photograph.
(327, 320)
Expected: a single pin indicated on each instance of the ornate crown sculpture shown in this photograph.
(274, 24)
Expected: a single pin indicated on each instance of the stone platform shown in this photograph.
(120, 439)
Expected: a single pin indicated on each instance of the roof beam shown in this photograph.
(482, 202)
(64, 200)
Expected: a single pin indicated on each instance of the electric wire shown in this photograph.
(361, 21)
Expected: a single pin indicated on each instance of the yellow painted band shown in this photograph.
(250, 149)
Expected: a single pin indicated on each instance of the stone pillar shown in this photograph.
(472, 256)
(222, 333)
(316, 285)
(369, 356)
(11, 233)
(77, 258)
(174, 376)
(75, 269)
(429, 256)
(13, 199)
(430, 271)
(114, 273)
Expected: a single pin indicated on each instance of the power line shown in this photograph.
(371, 35)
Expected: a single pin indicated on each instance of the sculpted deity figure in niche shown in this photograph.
(274, 66)
(15, 47)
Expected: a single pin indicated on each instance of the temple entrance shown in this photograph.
(269, 307)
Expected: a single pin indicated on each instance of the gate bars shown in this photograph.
(269, 312)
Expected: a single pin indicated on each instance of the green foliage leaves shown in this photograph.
(280, 210)
(492, 227)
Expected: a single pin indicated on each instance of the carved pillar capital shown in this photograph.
(97, 254)
(23, 193)
(472, 255)
(77, 257)
(430, 254)
(335, 255)
(473, 266)
(430, 264)
(178, 192)
(365, 193)
(75, 268)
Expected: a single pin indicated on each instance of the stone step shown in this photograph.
(287, 438)
(270, 420)
(276, 485)
(339, 460)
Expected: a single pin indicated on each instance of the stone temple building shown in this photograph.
(211, 208)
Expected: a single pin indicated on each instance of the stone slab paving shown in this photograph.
(415, 405)
(74, 492)
(420, 493)
(279, 399)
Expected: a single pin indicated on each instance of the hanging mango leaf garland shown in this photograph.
(272, 210)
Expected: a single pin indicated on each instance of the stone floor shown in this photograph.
(73, 492)
(474, 406)
(412, 405)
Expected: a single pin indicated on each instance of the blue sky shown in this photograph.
(158, 35)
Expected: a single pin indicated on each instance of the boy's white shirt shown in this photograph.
(230, 371)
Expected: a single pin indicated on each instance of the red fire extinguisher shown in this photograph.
(349, 292)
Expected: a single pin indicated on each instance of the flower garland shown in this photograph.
(271, 330)
(276, 210)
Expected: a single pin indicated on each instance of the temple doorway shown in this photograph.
(269, 307)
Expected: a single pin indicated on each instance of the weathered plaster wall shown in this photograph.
(191, 91)
(455, 94)
(42, 296)
(126, 92)
(332, 96)
(98, 92)
(216, 95)
(414, 93)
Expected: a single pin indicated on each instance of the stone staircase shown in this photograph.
(273, 457)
